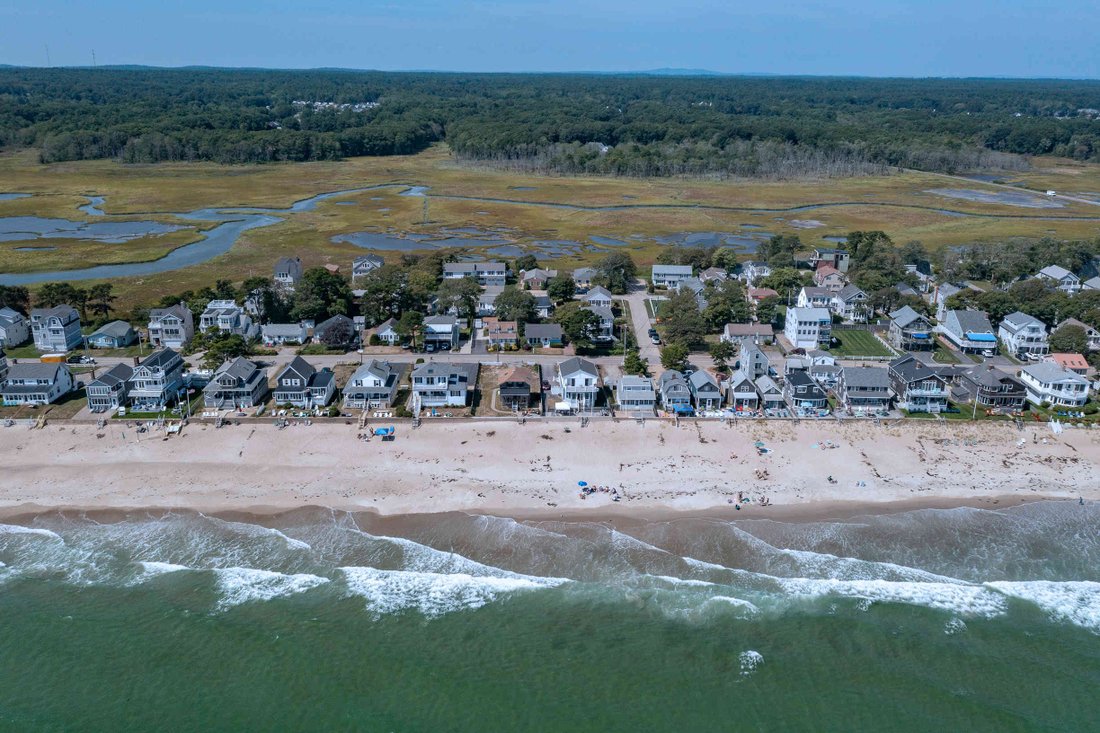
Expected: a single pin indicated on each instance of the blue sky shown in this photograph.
(862, 37)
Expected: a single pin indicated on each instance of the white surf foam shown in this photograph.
(17, 529)
(434, 594)
(241, 585)
(750, 660)
(967, 600)
(852, 568)
(1074, 602)
(683, 581)
(735, 602)
(150, 570)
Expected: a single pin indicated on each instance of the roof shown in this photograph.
(600, 291)
(905, 316)
(761, 293)
(584, 273)
(542, 331)
(1075, 322)
(385, 325)
(866, 377)
(368, 260)
(441, 321)
(848, 292)
(603, 312)
(1018, 319)
(58, 311)
(539, 274)
(239, 368)
(577, 364)
(670, 378)
(381, 369)
(523, 374)
(812, 291)
(34, 370)
(972, 321)
(672, 270)
(1056, 272)
(1047, 371)
(159, 359)
(702, 377)
(749, 329)
(9, 316)
(178, 310)
(801, 378)
(824, 269)
(911, 369)
(322, 378)
(809, 314)
(764, 383)
(446, 369)
(282, 329)
(287, 262)
(114, 329)
(1069, 360)
(986, 376)
(299, 366)
(1093, 283)
(115, 375)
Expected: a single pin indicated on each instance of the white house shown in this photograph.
(753, 271)
(438, 384)
(1092, 335)
(441, 332)
(598, 296)
(1048, 382)
(387, 332)
(669, 276)
(171, 327)
(13, 328)
(288, 271)
(808, 328)
(636, 394)
(578, 384)
(35, 384)
(1093, 283)
(969, 330)
(1023, 335)
(364, 265)
(57, 329)
(486, 273)
(373, 384)
(850, 303)
(604, 330)
(1060, 278)
(228, 317)
(757, 333)
(814, 297)
(277, 334)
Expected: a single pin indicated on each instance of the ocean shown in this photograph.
(317, 620)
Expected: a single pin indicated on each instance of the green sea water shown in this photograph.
(323, 622)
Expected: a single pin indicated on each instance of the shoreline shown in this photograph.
(533, 470)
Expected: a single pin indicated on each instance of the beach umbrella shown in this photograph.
(582, 484)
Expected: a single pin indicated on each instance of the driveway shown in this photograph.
(641, 322)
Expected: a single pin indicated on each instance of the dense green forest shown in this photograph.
(623, 125)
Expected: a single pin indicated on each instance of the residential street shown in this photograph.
(635, 300)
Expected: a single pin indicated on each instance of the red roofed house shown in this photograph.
(828, 277)
(1073, 362)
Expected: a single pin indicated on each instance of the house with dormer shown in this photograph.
(56, 330)
(171, 327)
(373, 384)
(237, 384)
(157, 381)
(302, 385)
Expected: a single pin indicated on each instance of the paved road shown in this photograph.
(639, 317)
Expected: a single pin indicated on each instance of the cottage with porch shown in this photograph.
(35, 384)
(300, 384)
(157, 381)
(236, 384)
(111, 390)
(373, 384)
(171, 327)
(705, 390)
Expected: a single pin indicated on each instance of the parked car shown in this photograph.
(654, 338)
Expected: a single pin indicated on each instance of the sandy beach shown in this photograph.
(534, 469)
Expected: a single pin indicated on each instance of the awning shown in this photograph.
(683, 408)
(563, 407)
(981, 337)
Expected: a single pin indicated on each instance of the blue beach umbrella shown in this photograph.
(582, 483)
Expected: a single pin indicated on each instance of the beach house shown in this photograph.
(110, 390)
(280, 334)
(1023, 336)
(1093, 283)
(582, 278)
(828, 277)
(519, 387)
(940, 296)
(228, 317)
(302, 385)
(756, 333)
(336, 332)
(598, 296)
(373, 384)
(771, 395)
(439, 384)
(635, 394)
(1051, 384)
(441, 332)
(706, 393)
(669, 276)
(836, 258)
(605, 326)
(850, 303)
(741, 392)
(674, 391)
(969, 330)
(713, 274)
(803, 393)
(536, 278)
(542, 334)
(364, 265)
(808, 328)
(752, 360)
(157, 381)
(991, 388)
(113, 335)
(754, 271)
(386, 332)
(171, 327)
(910, 331)
(501, 334)
(288, 271)
(814, 297)
(13, 328)
(486, 273)
(916, 386)
(578, 384)
(56, 330)
(35, 384)
(1092, 335)
(864, 389)
(237, 384)
(1060, 278)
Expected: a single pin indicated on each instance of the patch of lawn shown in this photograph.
(856, 343)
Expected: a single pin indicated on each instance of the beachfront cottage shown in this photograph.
(598, 296)
(300, 384)
(1060, 278)
(441, 332)
(969, 331)
(635, 395)
(56, 330)
(1074, 362)
(373, 384)
(171, 327)
(827, 375)
(519, 387)
(850, 303)
(535, 279)
(288, 271)
(228, 317)
(236, 384)
(281, 334)
(501, 334)
(578, 383)
(486, 273)
(752, 271)
(864, 389)
(1023, 336)
(669, 276)
(739, 333)
(113, 335)
(910, 331)
(753, 361)
(675, 392)
(542, 334)
(582, 278)
(803, 393)
(814, 297)
(828, 277)
(111, 390)
(605, 327)
(992, 389)
(13, 328)
(771, 396)
(157, 381)
(836, 258)
(741, 392)
(438, 384)
(35, 384)
(1092, 335)
(338, 332)
(705, 390)
(386, 331)
(808, 328)
(917, 387)
(1051, 384)
(364, 265)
